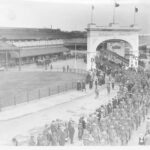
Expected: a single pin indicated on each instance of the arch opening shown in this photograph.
(114, 50)
(118, 46)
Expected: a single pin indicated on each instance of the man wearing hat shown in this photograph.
(71, 130)
(53, 127)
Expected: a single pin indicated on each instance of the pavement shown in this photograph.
(19, 120)
(58, 65)
(27, 108)
(22, 118)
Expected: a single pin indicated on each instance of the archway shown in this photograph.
(118, 46)
(97, 35)
(114, 50)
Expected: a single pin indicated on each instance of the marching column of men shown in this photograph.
(110, 124)
(114, 123)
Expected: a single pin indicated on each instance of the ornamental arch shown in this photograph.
(97, 35)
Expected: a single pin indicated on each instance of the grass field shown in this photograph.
(18, 87)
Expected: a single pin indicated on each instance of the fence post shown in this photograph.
(14, 100)
(39, 94)
(27, 95)
(49, 91)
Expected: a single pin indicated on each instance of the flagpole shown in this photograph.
(134, 18)
(92, 14)
(135, 11)
(114, 15)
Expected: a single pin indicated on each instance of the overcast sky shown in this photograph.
(72, 14)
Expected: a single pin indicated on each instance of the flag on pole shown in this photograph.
(117, 5)
(92, 14)
(136, 9)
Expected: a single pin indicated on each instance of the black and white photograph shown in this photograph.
(74, 73)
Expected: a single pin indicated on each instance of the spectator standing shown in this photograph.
(79, 86)
(96, 84)
(51, 67)
(96, 92)
(64, 69)
(83, 85)
(108, 88)
(80, 131)
(112, 83)
(15, 142)
(67, 68)
(91, 84)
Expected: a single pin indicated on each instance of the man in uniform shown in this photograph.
(53, 127)
(32, 141)
(108, 88)
(96, 133)
(104, 138)
(86, 137)
(71, 130)
(40, 140)
(80, 131)
(54, 139)
(61, 136)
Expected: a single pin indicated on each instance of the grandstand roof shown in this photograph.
(37, 51)
(5, 46)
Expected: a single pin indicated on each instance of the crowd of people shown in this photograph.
(110, 124)
(114, 123)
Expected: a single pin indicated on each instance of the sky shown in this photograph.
(71, 15)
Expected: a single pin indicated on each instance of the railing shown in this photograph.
(30, 95)
(70, 70)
